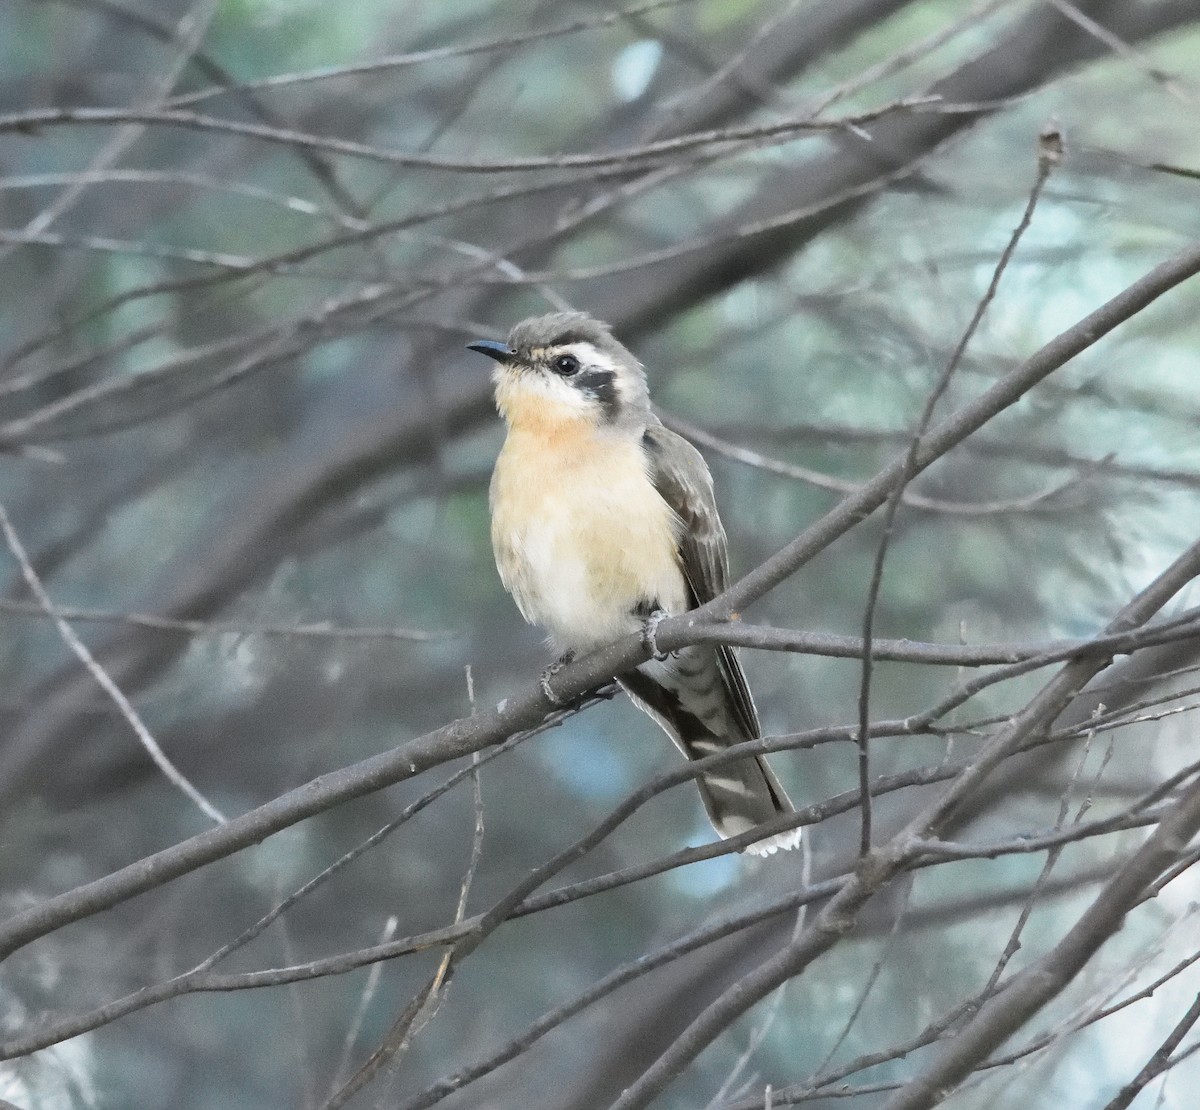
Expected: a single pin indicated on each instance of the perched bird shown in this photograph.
(603, 523)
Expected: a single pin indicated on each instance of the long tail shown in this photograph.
(700, 699)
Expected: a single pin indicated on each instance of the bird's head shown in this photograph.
(567, 368)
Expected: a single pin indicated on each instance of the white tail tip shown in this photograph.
(780, 842)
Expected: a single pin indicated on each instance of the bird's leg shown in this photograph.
(648, 634)
(549, 673)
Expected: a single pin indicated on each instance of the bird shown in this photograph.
(603, 523)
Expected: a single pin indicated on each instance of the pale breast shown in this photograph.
(582, 539)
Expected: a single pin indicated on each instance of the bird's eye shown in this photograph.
(566, 365)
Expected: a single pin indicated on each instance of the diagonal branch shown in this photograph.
(1037, 984)
(527, 708)
(884, 863)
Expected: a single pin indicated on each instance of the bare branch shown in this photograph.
(1032, 988)
(36, 119)
(527, 709)
(172, 773)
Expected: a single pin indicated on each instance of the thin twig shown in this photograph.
(1044, 499)
(364, 1002)
(527, 708)
(300, 630)
(1162, 1060)
(872, 977)
(188, 35)
(1123, 49)
(1049, 155)
(172, 773)
(389, 1052)
(889, 860)
(749, 136)
(391, 62)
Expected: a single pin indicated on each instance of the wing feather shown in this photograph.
(682, 479)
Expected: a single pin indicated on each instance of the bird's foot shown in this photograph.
(649, 629)
(549, 673)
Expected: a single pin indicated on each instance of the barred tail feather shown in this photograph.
(689, 696)
(780, 842)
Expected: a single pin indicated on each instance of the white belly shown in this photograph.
(584, 542)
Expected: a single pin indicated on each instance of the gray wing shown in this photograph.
(683, 481)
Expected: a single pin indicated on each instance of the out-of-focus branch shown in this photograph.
(878, 868)
(256, 536)
(1032, 988)
(526, 710)
(955, 428)
(1037, 47)
(36, 119)
(102, 678)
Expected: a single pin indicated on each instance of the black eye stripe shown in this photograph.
(601, 384)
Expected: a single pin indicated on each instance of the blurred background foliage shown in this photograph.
(233, 389)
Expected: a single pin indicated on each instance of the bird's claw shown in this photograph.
(649, 630)
(549, 673)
